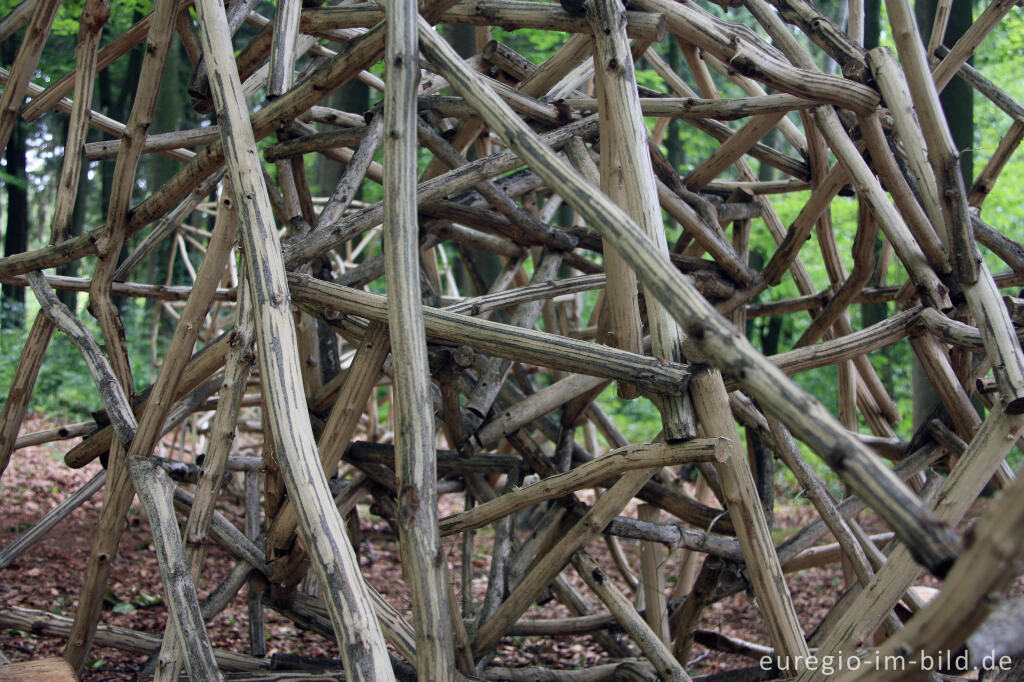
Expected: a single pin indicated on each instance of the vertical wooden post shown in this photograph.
(652, 559)
(415, 461)
(630, 166)
(711, 402)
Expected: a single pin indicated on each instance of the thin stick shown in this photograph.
(20, 391)
(711, 403)
(31, 48)
(141, 643)
(155, 490)
(613, 61)
(586, 475)
(94, 15)
(651, 559)
(41, 527)
(619, 605)
(16, 18)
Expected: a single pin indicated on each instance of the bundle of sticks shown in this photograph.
(518, 275)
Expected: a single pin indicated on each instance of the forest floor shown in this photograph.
(48, 577)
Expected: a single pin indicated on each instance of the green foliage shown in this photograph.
(532, 44)
(64, 388)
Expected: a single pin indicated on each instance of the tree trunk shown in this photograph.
(12, 301)
(872, 23)
(957, 101)
(70, 298)
(958, 97)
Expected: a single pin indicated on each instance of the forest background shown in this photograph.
(29, 176)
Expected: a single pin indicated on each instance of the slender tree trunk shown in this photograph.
(12, 302)
(353, 97)
(872, 313)
(957, 101)
(766, 172)
(872, 23)
(675, 150)
(70, 298)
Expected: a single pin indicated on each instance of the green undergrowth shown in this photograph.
(64, 390)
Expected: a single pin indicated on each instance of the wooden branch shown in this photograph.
(652, 558)
(896, 183)
(927, 282)
(1008, 250)
(120, 494)
(155, 488)
(140, 643)
(620, 305)
(509, 13)
(619, 605)
(676, 536)
(282, 47)
(822, 501)
(711, 404)
(826, 35)
(986, 179)
(415, 465)
(196, 137)
(969, 41)
(166, 226)
(730, 150)
(308, 143)
(130, 289)
(16, 18)
(64, 432)
(111, 394)
(358, 633)
(20, 391)
(863, 268)
(94, 15)
(43, 14)
(237, 362)
(983, 85)
(143, 107)
(725, 109)
(537, 404)
(348, 183)
(939, 25)
(49, 98)
(587, 475)
(549, 350)
(634, 175)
